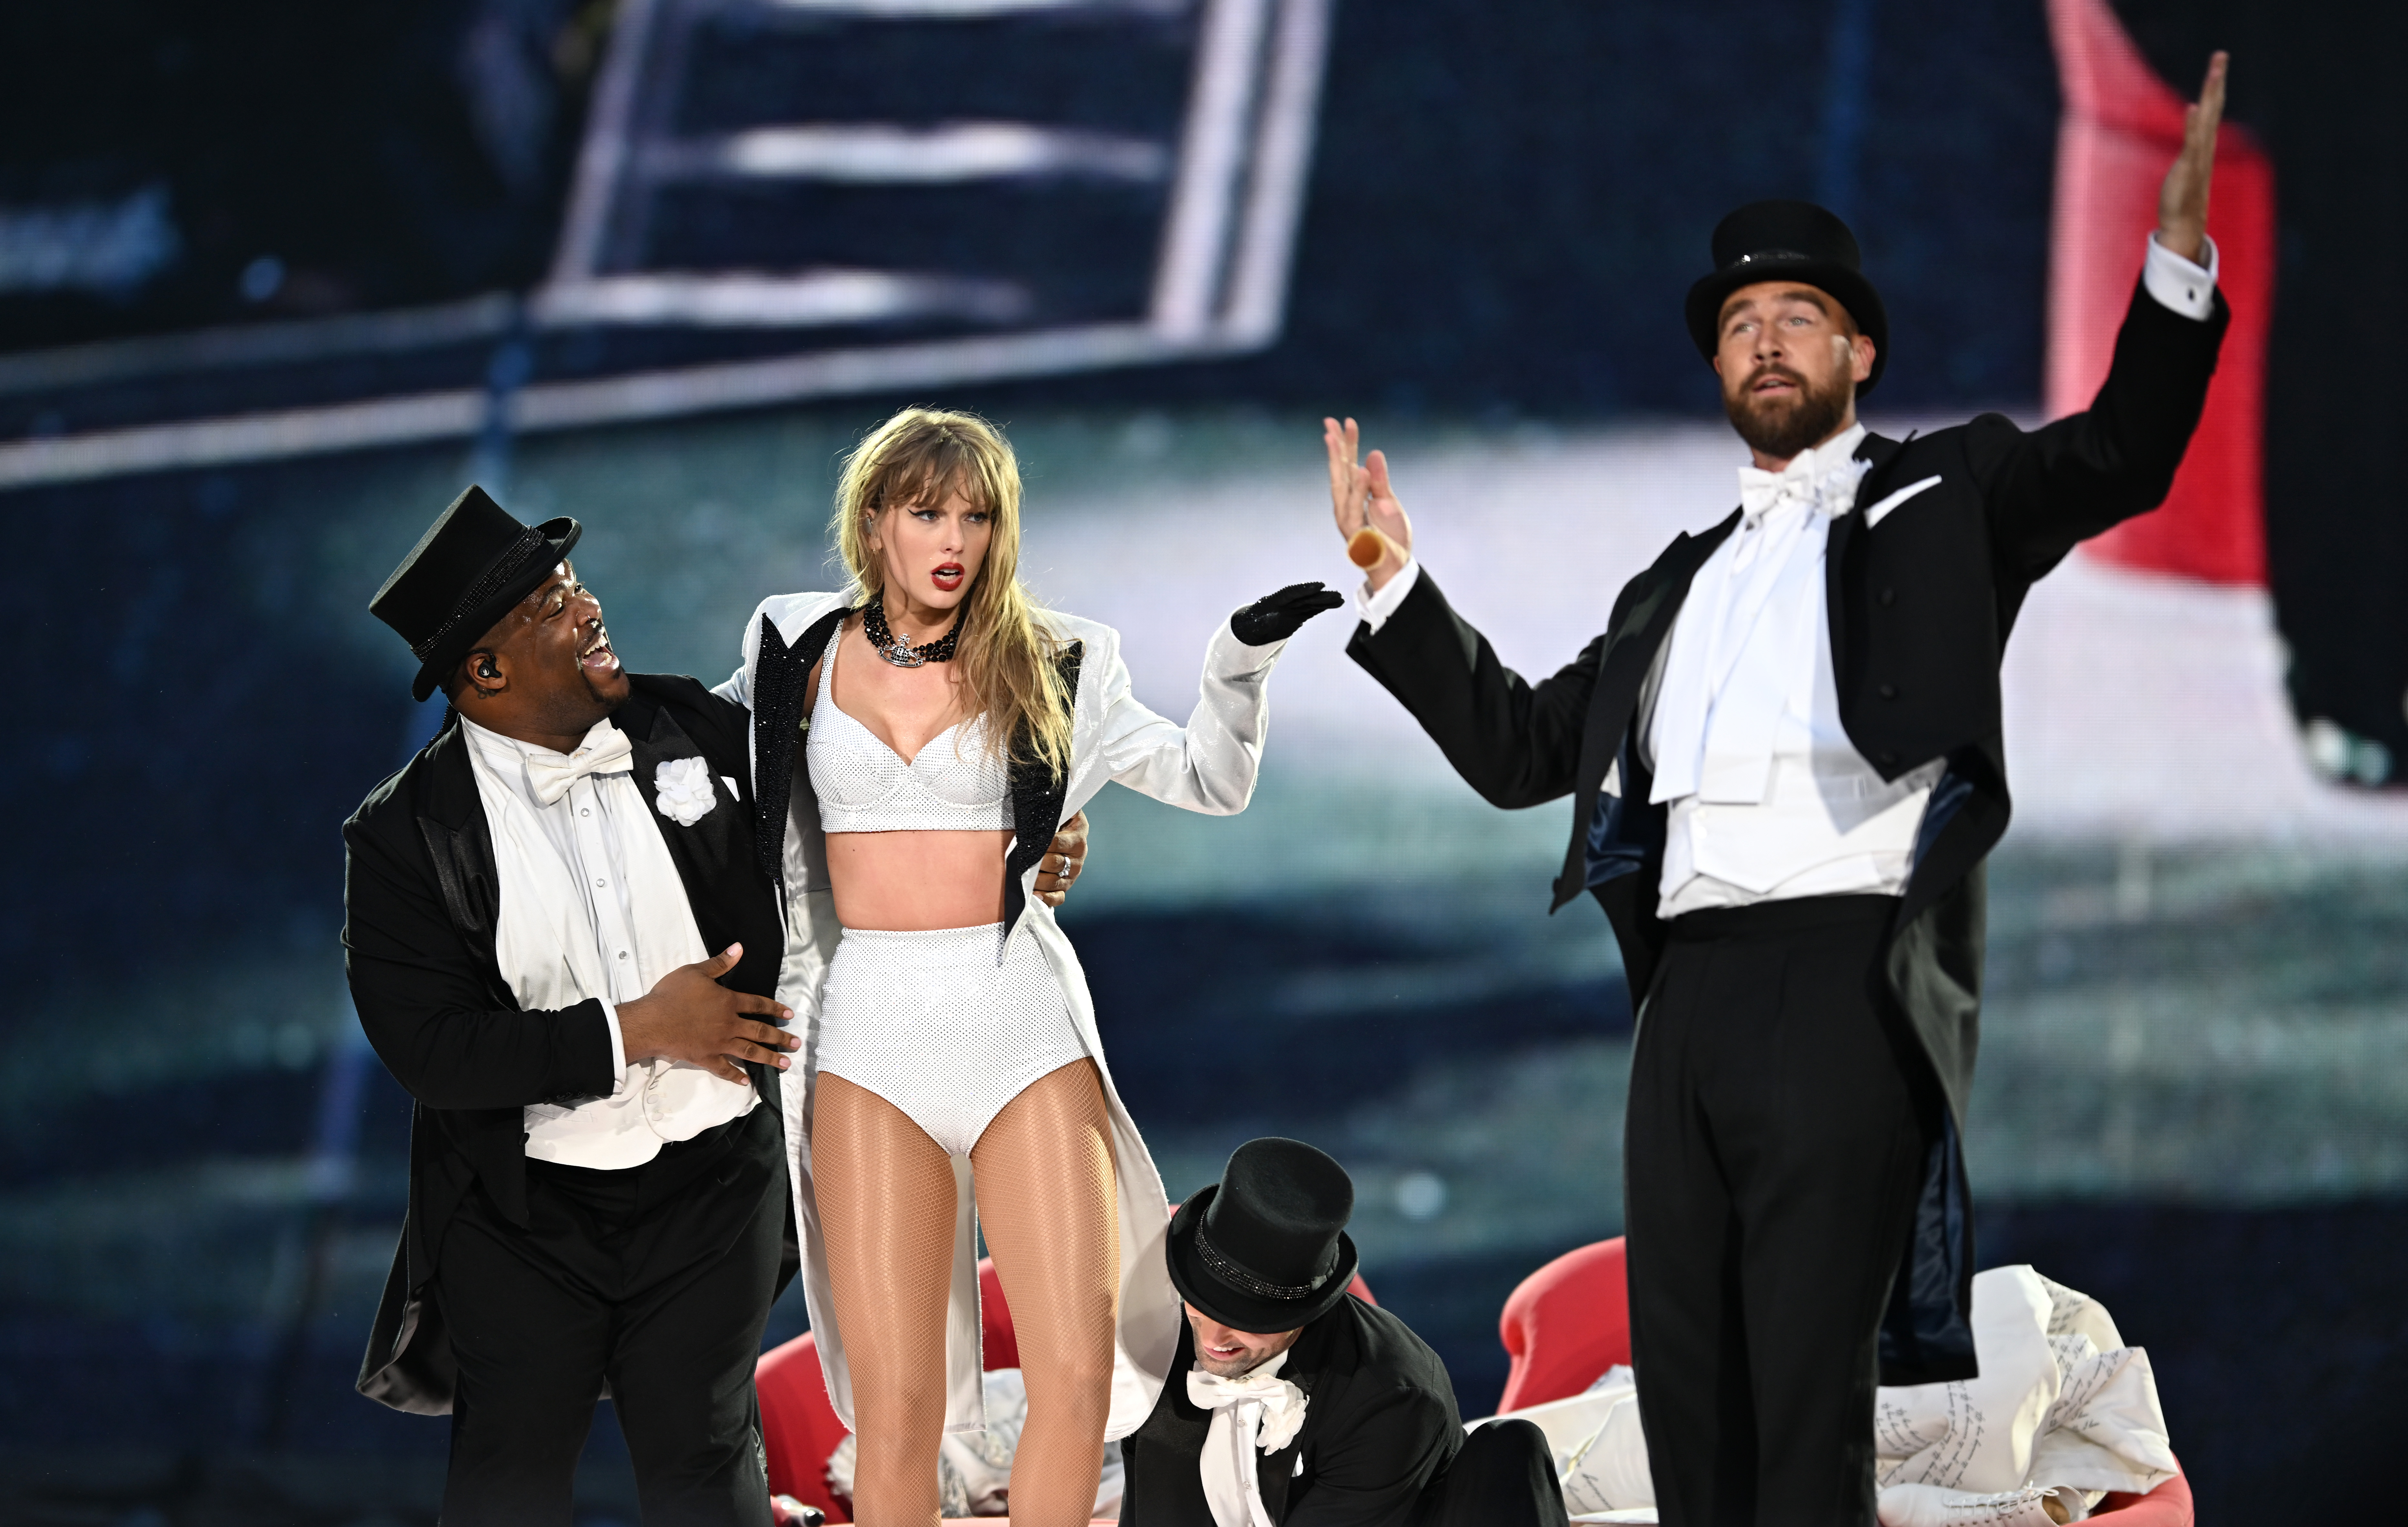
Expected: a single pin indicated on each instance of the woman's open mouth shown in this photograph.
(947, 575)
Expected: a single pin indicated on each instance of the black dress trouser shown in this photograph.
(656, 1279)
(1774, 1145)
(1504, 1475)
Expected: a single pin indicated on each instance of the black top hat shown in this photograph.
(1264, 1249)
(1788, 241)
(472, 565)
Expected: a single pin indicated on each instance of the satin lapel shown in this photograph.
(1037, 796)
(1629, 650)
(1307, 1361)
(461, 848)
(1842, 539)
(781, 697)
(1630, 647)
(1274, 1473)
(705, 853)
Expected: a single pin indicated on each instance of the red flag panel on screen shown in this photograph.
(2122, 127)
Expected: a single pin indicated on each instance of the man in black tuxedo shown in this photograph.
(1785, 764)
(562, 943)
(596, 1197)
(1292, 1403)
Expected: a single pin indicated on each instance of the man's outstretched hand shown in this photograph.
(688, 1016)
(1276, 616)
(1363, 502)
(2182, 201)
(1064, 858)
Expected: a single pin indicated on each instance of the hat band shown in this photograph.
(1229, 1272)
(509, 565)
(1765, 254)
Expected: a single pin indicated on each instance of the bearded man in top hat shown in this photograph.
(1293, 1403)
(561, 942)
(1785, 764)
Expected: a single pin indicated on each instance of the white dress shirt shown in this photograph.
(1740, 719)
(592, 905)
(1256, 1409)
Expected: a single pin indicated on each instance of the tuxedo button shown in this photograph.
(1888, 597)
(1888, 692)
(599, 882)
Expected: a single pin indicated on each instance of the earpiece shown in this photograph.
(485, 669)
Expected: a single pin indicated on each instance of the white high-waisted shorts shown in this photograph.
(930, 1022)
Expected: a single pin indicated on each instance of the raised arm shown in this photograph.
(1209, 765)
(1516, 743)
(1379, 536)
(2083, 474)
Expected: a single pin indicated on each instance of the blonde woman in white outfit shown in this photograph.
(918, 737)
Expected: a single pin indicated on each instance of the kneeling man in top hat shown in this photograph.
(1786, 765)
(1294, 1404)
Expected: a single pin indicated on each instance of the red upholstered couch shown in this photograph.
(799, 1428)
(1570, 1321)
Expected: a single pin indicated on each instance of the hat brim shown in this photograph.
(1853, 293)
(561, 534)
(1235, 1307)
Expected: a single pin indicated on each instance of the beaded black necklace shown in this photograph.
(900, 652)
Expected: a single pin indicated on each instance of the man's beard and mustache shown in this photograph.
(1782, 424)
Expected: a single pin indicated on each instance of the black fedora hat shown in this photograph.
(1264, 1250)
(472, 565)
(1788, 241)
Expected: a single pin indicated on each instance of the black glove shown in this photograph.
(1275, 616)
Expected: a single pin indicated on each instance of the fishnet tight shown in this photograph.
(1048, 1204)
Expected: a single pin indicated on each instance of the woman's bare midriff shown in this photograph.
(909, 882)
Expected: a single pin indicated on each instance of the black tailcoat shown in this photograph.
(1380, 1424)
(421, 898)
(1920, 605)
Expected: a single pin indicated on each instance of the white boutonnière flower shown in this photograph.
(683, 791)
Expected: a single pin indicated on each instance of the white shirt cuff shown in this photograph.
(1375, 608)
(618, 1046)
(2188, 288)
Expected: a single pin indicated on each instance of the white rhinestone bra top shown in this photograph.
(865, 786)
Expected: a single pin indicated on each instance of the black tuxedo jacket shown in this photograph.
(421, 898)
(1380, 1425)
(1920, 606)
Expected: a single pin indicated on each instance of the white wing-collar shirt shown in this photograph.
(592, 905)
(1257, 1410)
(1740, 721)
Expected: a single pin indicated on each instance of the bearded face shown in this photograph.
(1789, 359)
(1780, 412)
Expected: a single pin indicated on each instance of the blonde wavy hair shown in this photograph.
(1005, 660)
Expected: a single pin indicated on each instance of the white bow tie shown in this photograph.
(1283, 1403)
(1827, 487)
(1256, 1409)
(550, 774)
